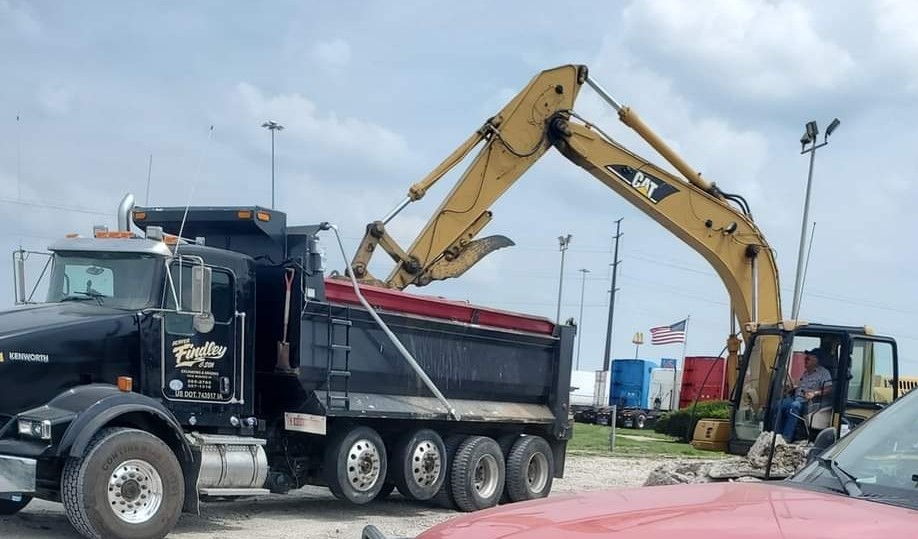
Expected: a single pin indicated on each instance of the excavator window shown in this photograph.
(871, 372)
(756, 385)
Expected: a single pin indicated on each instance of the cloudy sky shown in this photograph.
(374, 94)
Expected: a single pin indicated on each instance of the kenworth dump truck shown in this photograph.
(208, 356)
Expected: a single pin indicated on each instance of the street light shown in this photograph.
(563, 242)
(584, 271)
(272, 126)
(810, 136)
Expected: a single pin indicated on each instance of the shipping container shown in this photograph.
(664, 389)
(631, 383)
(702, 377)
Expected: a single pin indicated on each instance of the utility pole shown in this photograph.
(583, 271)
(607, 353)
(272, 126)
(563, 242)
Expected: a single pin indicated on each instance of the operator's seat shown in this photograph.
(821, 417)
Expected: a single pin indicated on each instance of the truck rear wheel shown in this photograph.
(10, 504)
(419, 466)
(530, 469)
(478, 474)
(355, 465)
(444, 496)
(640, 422)
(128, 483)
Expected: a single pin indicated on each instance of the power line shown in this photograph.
(52, 206)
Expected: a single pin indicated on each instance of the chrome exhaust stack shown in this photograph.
(124, 213)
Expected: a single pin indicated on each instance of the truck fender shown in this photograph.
(97, 406)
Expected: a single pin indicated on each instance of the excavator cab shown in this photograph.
(863, 370)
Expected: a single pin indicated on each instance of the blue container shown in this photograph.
(631, 383)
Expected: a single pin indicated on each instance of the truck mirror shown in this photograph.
(200, 289)
(200, 298)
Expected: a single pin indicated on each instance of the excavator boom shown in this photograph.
(540, 117)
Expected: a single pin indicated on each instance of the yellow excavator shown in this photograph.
(715, 223)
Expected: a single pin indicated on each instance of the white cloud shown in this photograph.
(321, 131)
(56, 99)
(334, 53)
(896, 37)
(16, 16)
(756, 48)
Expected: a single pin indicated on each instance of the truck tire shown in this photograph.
(640, 421)
(419, 464)
(355, 465)
(444, 496)
(478, 474)
(13, 504)
(506, 444)
(128, 483)
(530, 469)
(385, 491)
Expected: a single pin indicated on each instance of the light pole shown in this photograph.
(809, 137)
(563, 242)
(272, 126)
(584, 272)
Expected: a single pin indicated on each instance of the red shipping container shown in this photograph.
(702, 377)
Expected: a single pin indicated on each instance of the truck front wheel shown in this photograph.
(128, 483)
(10, 504)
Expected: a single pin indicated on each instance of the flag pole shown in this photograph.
(672, 398)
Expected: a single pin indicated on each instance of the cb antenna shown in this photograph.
(146, 199)
(194, 181)
(19, 174)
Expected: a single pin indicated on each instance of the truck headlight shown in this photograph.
(35, 428)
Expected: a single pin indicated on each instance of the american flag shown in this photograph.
(668, 334)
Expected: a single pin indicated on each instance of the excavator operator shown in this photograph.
(815, 383)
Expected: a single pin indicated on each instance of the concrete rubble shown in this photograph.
(787, 460)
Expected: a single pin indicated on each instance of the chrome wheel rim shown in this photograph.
(135, 491)
(363, 465)
(537, 472)
(426, 463)
(486, 476)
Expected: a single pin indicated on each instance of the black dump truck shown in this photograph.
(208, 356)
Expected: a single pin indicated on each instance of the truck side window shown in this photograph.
(221, 296)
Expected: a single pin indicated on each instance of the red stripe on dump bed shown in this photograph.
(340, 291)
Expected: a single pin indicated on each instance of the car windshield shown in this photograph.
(119, 280)
(877, 461)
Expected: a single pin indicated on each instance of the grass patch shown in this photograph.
(595, 439)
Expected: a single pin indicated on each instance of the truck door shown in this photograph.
(201, 362)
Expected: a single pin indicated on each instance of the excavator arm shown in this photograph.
(540, 117)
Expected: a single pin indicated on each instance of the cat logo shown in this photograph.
(652, 188)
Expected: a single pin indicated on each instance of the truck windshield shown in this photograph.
(119, 280)
(875, 461)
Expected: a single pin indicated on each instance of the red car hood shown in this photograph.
(706, 511)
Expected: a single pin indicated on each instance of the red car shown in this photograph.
(863, 486)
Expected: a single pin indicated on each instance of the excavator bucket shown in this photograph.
(471, 255)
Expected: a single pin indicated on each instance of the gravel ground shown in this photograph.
(312, 512)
